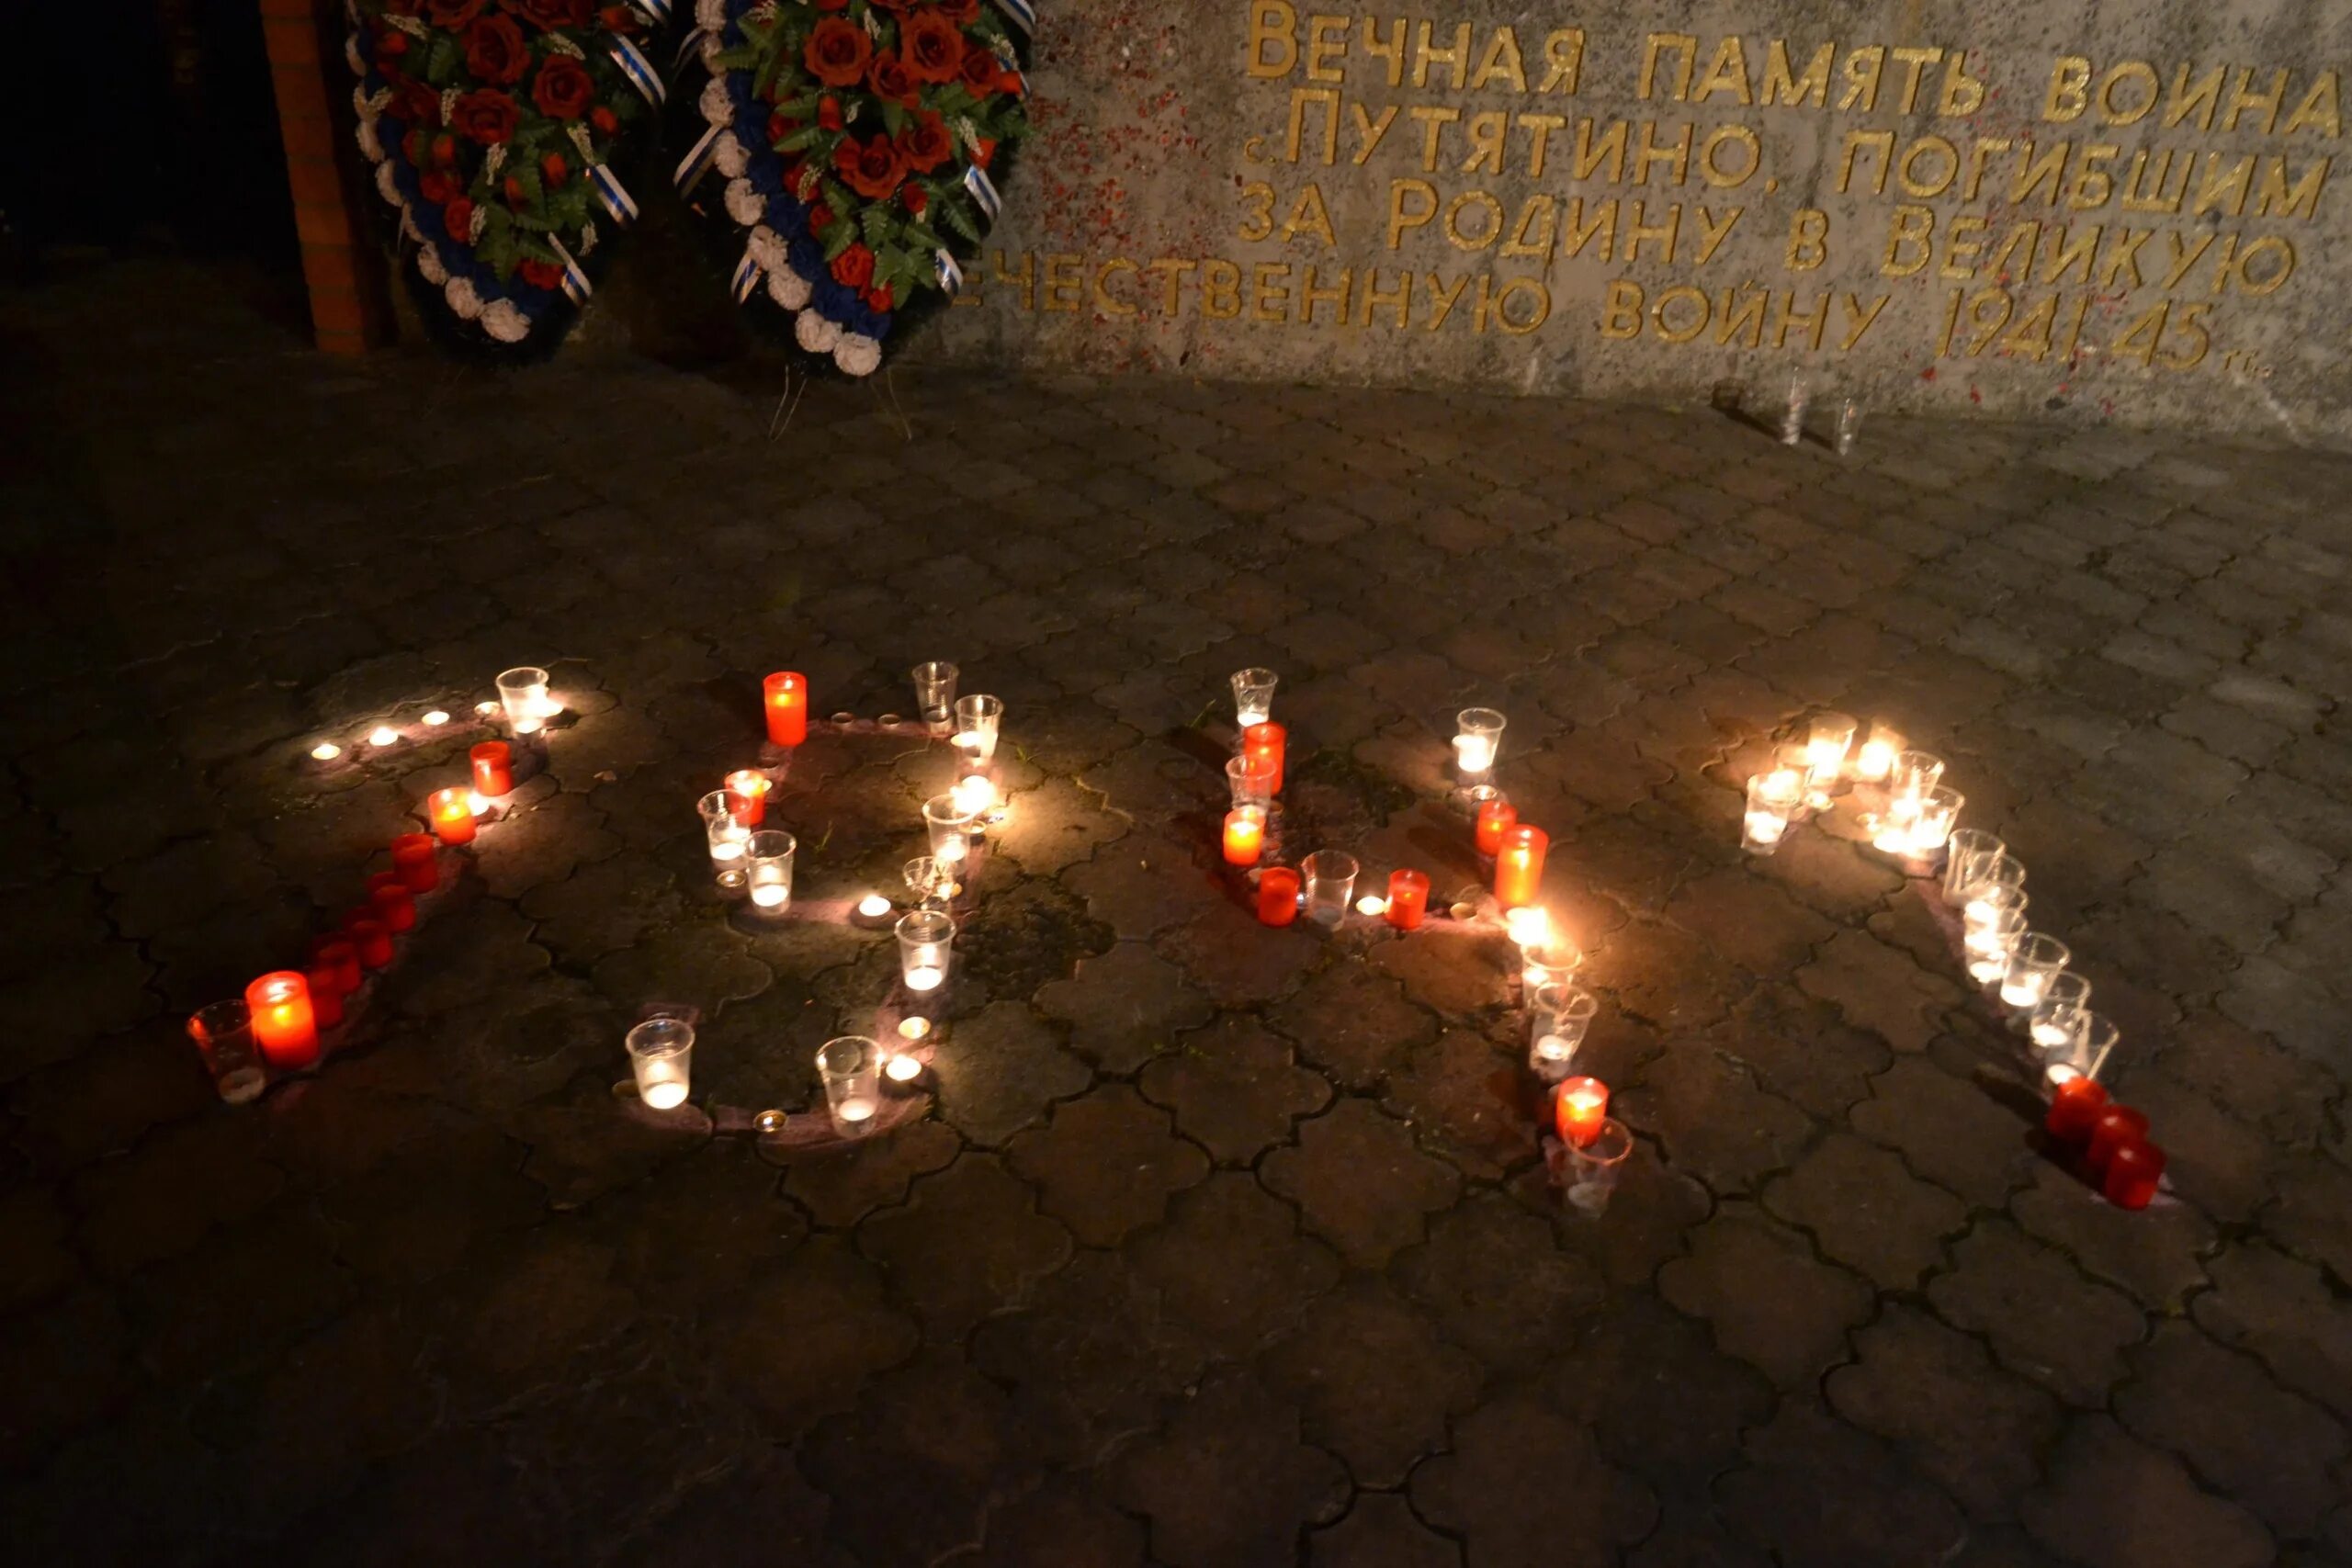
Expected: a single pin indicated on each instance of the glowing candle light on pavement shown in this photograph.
(383, 735)
(1409, 899)
(493, 765)
(326, 750)
(285, 1026)
(1245, 835)
(1579, 1108)
(452, 814)
(1518, 865)
(788, 706)
(1495, 817)
(1266, 743)
(753, 785)
(2076, 1103)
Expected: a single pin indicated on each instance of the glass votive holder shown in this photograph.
(1830, 736)
(851, 1067)
(2036, 957)
(951, 825)
(1875, 760)
(1986, 905)
(1772, 801)
(1477, 739)
(1554, 959)
(2058, 1017)
(926, 945)
(1251, 779)
(451, 812)
(1253, 697)
(523, 691)
(1245, 835)
(1330, 885)
(1558, 1015)
(2087, 1055)
(1530, 925)
(661, 1053)
(1970, 850)
(978, 719)
(223, 1033)
(926, 884)
(723, 827)
(1987, 946)
(1995, 881)
(936, 694)
(1914, 775)
(767, 869)
(1593, 1169)
(1492, 816)
(1932, 829)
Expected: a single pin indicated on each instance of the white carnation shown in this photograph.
(428, 263)
(387, 187)
(463, 298)
(728, 156)
(787, 289)
(502, 321)
(369, 142)
(710, 12)
(745, 205)
(768, 252)
(716, 106)
(856, 354)
(815, 333)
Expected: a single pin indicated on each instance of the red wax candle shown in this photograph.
(1518, 865)
(2132, 1172)
(787, 694)
(392, 902)
(453, 816)
(1409, 899)
(1266, 742)
(326, 996)
(414, 858)
(494, 768)
(1245, 835)
(751, 786)
(2073, 1106)
(1495, 817)
(285, 1026)
(369, 938)
(2116, 1126)
(1579, 1108)
(1278, 896)
(335, 955)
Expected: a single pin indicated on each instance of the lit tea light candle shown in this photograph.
(767, 895)
(437, 717)
(974, 793)
(1495, 817)
(477, 801)
(452, 815)
(925, 938)
(383, 735)
(285, 1026)
(1371, 904)
(666, 1094)
(874, 905)
(902, 1068)
(1479, 738)
(483, 710)
(1875, 760)
(326, 750)
(1409, 899)
(914, 1028)
(1578, 1110)
(1245, 835)
(787, 707)
(1518, 865)
(924, 978)
(1528, 926)
(751, 786)
(856, 1110)
(1827, 743)
(523, 694)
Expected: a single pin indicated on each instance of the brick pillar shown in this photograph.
(350, 311)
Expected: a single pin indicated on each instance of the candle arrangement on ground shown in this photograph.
(1909, 815)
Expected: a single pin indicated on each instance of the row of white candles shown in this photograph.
(2026, 969)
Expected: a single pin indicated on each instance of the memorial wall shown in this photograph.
(2072, 210)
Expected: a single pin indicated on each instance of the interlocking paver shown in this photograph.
(1200, 1222)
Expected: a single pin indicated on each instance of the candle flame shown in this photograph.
(326, 750)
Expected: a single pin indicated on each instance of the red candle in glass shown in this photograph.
(335, 955)
(1266, 742)
(751, 786)
(453, 816)
(2117, 1125)
(369, 938)
(1245, 835)
(2073, 1106)
(285, 1026)
(1579, 1108)
(414, 859)
(494, 768)
(2132, 1172)
(1495, 817)
(787, 694)
(1409, 899)
(1277, 896)
(326, 996)
(394, 903)
(1518, 865)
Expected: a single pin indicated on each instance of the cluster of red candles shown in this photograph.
(1262, 748)
(2110, 1139)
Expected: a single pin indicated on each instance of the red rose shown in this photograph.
(934, 46)
(548, 15)
(495, 51)
(925, 144)
(554, 170)
(413, 103)
(391, 44)
(828, 112)
(820, 217)
(604, 120)
(437, 187)
(512, 189)
(915, 196)
(980, 72)
(854, 266)
(779, 127)
(453, 14)
(837, 52)
(878, 299)
(541, 274)
(445, 149)
(488, 117)
(888, 77)
(872, 169)
(563, 87)
(458, 217)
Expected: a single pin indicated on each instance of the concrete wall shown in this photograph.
(2013, 207)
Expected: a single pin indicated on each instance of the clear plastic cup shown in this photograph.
(977, 721)
(224, 1032)
(936, 696)
(523, 691)
(1330, 885)
(1254, 696)
(851, 1067)
(661, 1053)
(767, 869)
(926, 950)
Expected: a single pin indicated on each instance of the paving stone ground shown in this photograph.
(1221, 1246)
